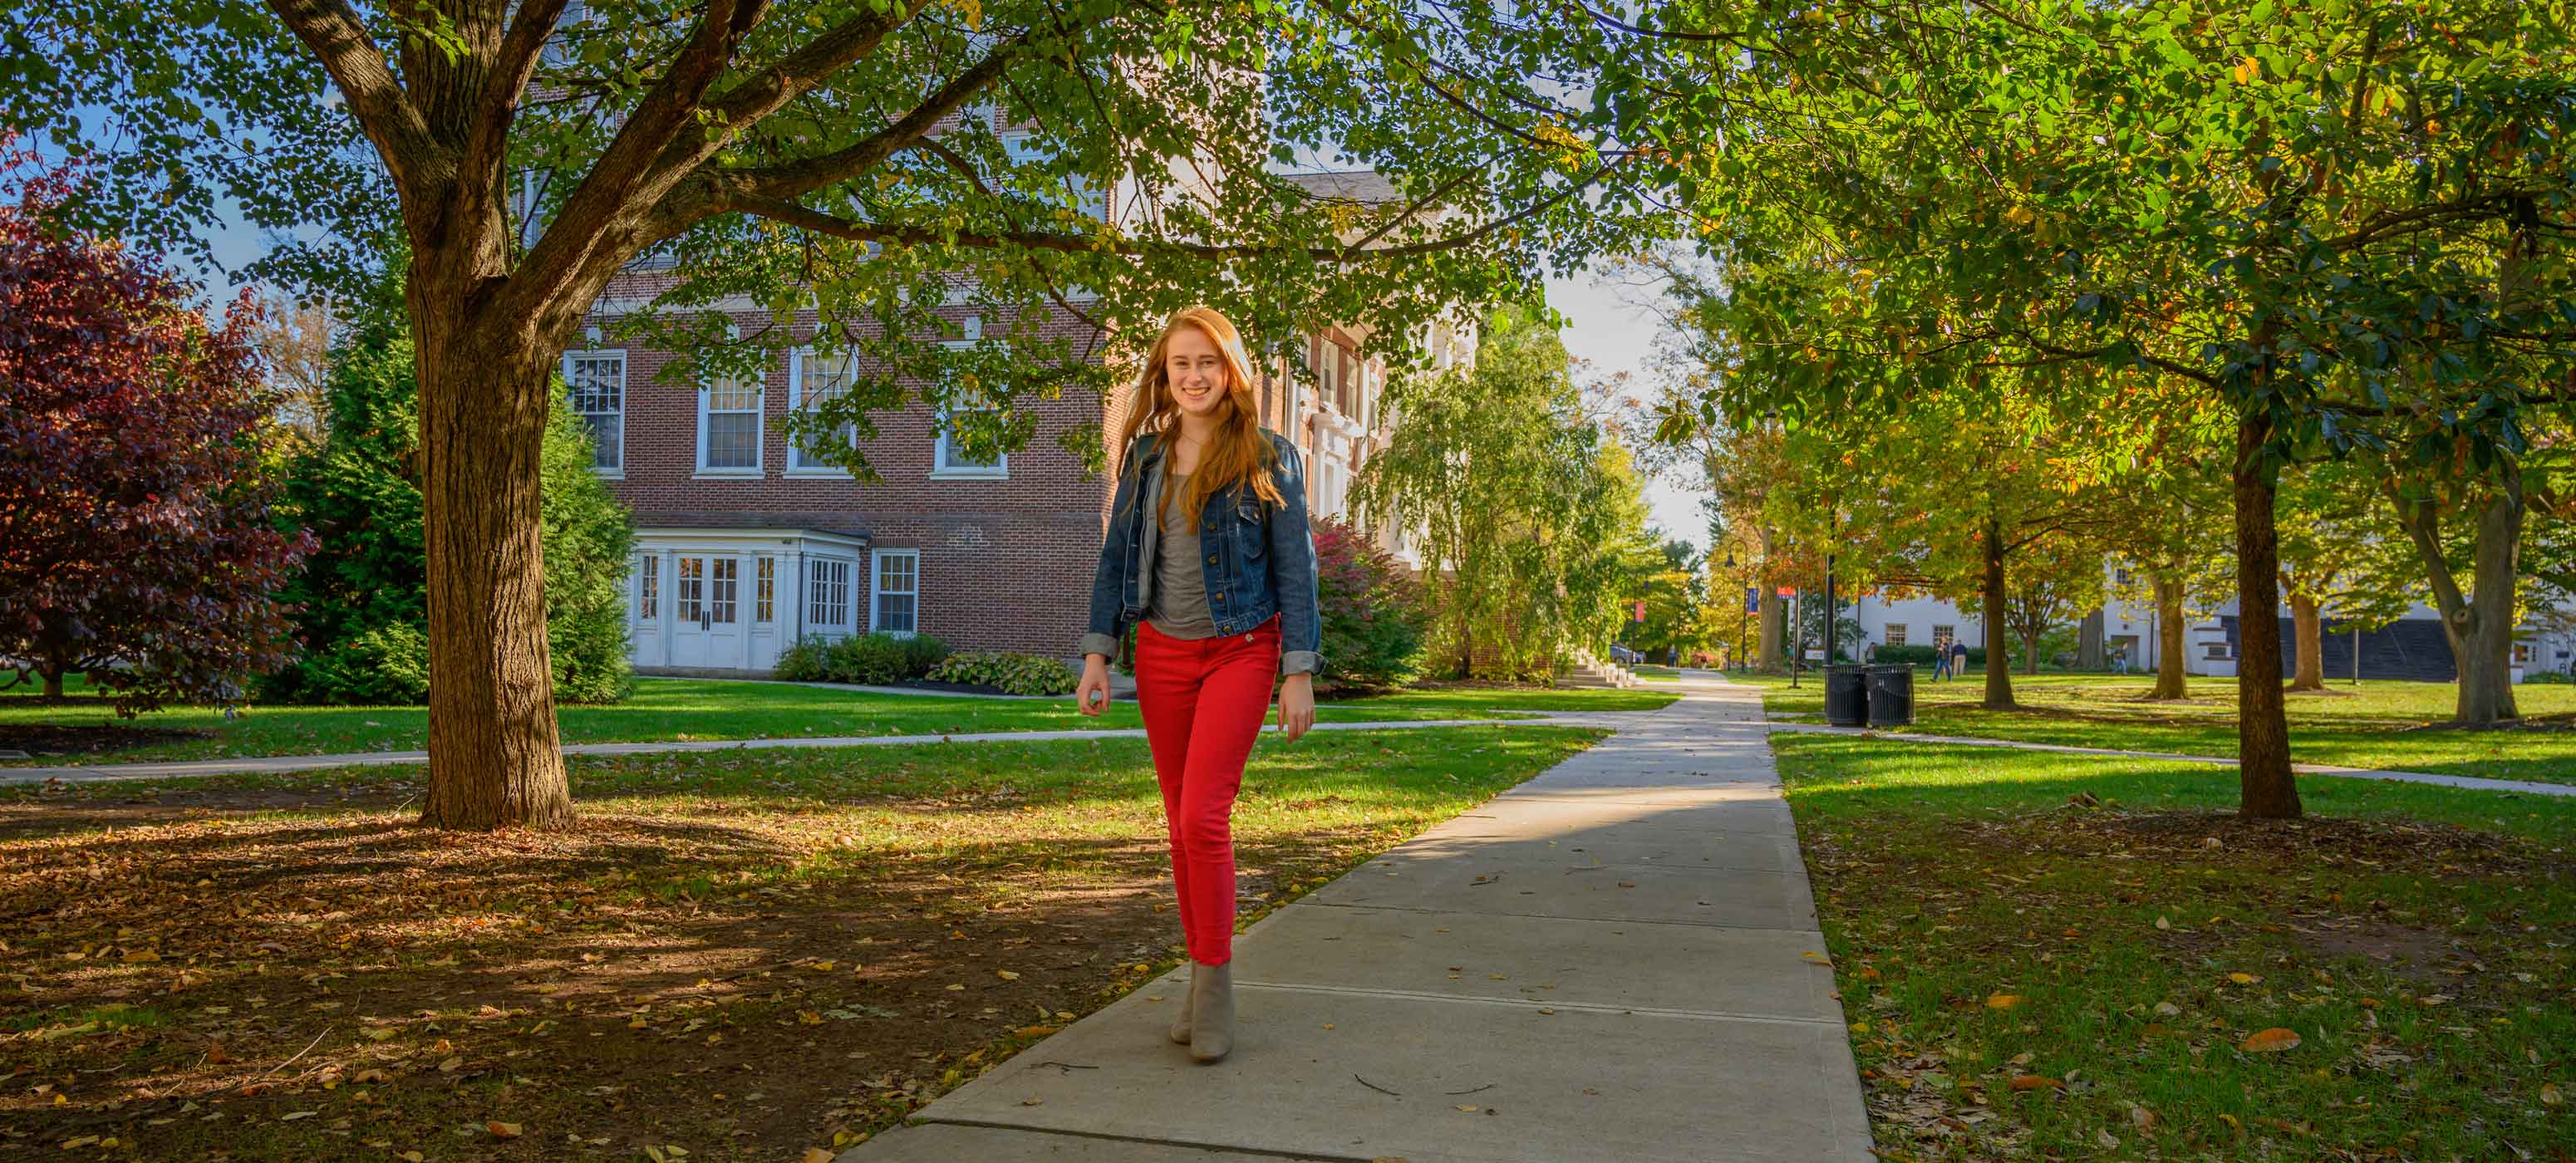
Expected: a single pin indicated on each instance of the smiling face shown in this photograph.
(1194, 371)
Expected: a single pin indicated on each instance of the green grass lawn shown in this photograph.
(2387, 725)
(1654, 673)
(744, 955)
(677, 709)
(2031, 979)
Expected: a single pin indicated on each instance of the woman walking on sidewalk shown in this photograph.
(1208, 555)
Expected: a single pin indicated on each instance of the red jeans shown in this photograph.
(1204, 701)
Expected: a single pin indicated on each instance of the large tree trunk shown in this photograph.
(2030, 651)
(494, 757)
(2309, 673)
(2478, 625)
(2267, 788)
(54, 683)
(2091, 651)
(2170, 682)
(1999, 692)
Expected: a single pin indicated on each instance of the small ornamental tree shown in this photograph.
(1372, 609)
(135, 537)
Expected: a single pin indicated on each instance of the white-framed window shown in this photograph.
(690, 601)
(729, 413)
(598, 382)
(2522, 654)
(951, 460)
(764, 590)
(896, 608)
(813, 378)
(1943, 636)
(1896, 633)
(828, 591)
(648, 588)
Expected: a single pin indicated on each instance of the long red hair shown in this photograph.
(1238, 452)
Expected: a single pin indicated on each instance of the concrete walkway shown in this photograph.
(1617, 959)
(200, 768)
(2471, 782)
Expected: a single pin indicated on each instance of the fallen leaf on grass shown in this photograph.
(817, 1155)
(2004, 1001)
(502, 1130)
(1006, 975)
(2269, 1041)
(2034, 1082)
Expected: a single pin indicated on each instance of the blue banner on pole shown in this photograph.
(1752, 599)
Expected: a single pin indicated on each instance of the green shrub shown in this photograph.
(805, 660)
(387, 665)
(1016, 674)
(867, 659)
(1917, 655)
(922, 653)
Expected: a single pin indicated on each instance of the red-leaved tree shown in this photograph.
(136, 536)
(1371, 608)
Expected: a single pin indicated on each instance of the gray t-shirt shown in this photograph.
(1179, 602)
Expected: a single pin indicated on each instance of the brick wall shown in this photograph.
(1006, 564)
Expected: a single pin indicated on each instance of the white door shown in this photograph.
(706, 626)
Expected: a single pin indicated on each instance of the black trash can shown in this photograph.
(1891, 695)
(1846, 695)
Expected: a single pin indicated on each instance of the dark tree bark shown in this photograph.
(2170, 680)
(2309, 672)
(2268, 790)
(1999, 692)
(2092, 652)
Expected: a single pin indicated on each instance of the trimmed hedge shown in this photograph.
(1918, 655)
(866, 659)
(1014, 674)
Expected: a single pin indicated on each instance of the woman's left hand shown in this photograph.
(1296, 705)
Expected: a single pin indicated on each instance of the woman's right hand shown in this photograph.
(1095, 677)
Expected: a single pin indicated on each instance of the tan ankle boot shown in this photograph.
(1211, 1011)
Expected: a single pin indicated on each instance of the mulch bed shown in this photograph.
(295, 986)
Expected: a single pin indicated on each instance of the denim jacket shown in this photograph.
(1259, 558)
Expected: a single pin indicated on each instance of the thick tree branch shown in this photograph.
(335, 34)
(497, 109)
(801, 177)
(625, 181)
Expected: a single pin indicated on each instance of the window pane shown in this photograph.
(733, 440)
(953, 455)
(764, 589)
(894, 613)
(720, 607)
(693, 588)
(649, 590)
(824, 377)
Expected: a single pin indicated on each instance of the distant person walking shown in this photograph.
(1940, 663)
(1958, 658)
(2119, 660)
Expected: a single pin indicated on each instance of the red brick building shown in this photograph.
(743, 545)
